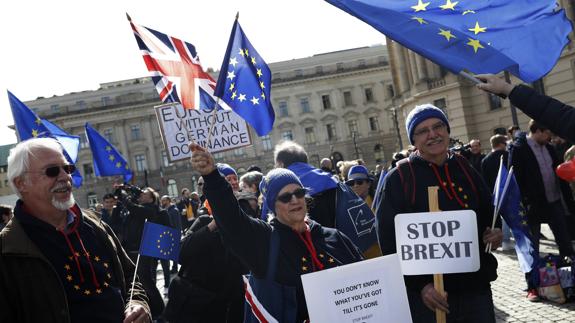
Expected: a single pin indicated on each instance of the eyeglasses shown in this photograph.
(286, 197)
(438, 127)
(200, 184)
(353, 182)
(54, 171)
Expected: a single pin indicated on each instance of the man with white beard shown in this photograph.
(59, 263)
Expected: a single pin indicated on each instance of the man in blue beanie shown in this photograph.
(230, 175)
(460, 188)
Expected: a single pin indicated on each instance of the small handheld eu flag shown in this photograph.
(159, 241)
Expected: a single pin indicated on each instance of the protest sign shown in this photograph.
(368, 291)
(179, 127)
(437, 242)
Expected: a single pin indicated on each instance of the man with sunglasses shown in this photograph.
(460, 187)
(359, 180)
(59, 263)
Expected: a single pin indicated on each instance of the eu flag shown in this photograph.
(245, 82)
(29, 125)
(107, 160)
(508, 202)
(159, 241)
(524, 37)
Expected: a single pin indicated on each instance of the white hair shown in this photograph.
(19, 157)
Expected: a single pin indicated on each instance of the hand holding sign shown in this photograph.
(202, 161)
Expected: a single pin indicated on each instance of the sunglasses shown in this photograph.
(353, 182)
(54, 171)
(286, 197)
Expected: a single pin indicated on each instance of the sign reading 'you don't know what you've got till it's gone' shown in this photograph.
(180, 126)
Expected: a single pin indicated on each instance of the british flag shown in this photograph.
(175, 68)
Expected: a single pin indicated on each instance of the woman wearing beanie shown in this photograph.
(468, 297)
(278, 252)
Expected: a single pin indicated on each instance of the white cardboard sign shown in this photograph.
(180, 126)
(437, 242)
(368, 291)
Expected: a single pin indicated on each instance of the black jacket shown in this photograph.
(490, 167)
(135, 220)
(249, 239)
(559, 117)
(395, 201)
(530, 181)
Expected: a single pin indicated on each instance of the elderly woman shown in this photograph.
(303, 246)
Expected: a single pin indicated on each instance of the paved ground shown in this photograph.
(511, 304)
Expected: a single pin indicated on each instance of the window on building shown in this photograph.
(368, 95)
(339, 67)
(304, 103)
(81, 104)
(378, 153)
(83, 140)
(309, 135)
(5, 183)
(106, 101)
(267, 143)
(55, 108)
(173, 187)
(330, 128)
(298, 73)
(165, 160)
(283, 109)
(239, 152)
(135, 132)
(326, 102)
(2, 169)
(92, 199)
(141, 163)
(287, 135)
(347, 100)
(382, 60)
(352, 126)
(319, 69)
(373, 124)
(494, 101)
(361, 63)
(441, 104)
(390, 91)
(275, 76)
(88, 171)
(109, 134)
(219, 155)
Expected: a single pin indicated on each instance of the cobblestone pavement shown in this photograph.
(509, 296)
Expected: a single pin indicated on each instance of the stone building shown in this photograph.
(472, 113)
(333, 104)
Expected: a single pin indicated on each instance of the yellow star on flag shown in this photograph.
(118, 165)
(477, 29)
(34, 133)
(242, 52)
(263, 95)
(38, 121)
(246, 52)
(253, 60)
(87, 292)
(446, 33)
(419, 19)
(475, 44)
(76, 287)
(234, 94)
(108, 148)
(259, 72)
(232, 86)
(111, 157)
(262, 85)
(420, 6)
(449, 5)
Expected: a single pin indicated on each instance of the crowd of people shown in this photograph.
(246, 240)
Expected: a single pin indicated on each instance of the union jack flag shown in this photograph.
(175, 68)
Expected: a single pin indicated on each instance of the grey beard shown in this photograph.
(64, 205)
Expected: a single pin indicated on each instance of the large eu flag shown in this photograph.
(507, 199)
(245, 83)
(29, 125)
(159, 241)
(107, 160)
(524, 37)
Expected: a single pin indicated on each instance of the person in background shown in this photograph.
(6, 215)
(175, 222)
(59, 263)
(326, 165)
(112, 215)
(250, 193)
(474, 155)
(469, 297)
(186, 208)
(359, 180)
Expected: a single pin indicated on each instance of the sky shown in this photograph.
(60, 46)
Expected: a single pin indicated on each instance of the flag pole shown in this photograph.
(183, 121)
(433, 202)
(135, 272)
(496, 195)
(498, 207)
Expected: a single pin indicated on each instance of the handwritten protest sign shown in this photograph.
(437, 242)
(368, 291)
(179, 127)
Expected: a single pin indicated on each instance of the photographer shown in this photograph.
(142, 205)
(473, 154)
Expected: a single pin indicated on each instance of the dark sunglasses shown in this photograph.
(353, 182)
(286, 197)
(54, 171)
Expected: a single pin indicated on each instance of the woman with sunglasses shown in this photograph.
(278, 252)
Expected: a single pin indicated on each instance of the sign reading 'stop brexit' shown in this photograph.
(437, 242)
(179, 127)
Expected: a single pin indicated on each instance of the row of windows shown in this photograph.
(340, 67)
(330, 129)
(325, 101)
(108, 133)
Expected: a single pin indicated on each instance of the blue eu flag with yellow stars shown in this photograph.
(159, 241)
(107, 160)
(524, 37)
(245, 82)
(29, 125)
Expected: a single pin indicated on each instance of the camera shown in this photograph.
(456, 145)
(133, 192)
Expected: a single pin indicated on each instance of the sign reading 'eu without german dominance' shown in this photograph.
(180, 126)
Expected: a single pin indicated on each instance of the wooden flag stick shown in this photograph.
(437, 278)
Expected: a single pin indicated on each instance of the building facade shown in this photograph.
(334, 104)
(472, 113)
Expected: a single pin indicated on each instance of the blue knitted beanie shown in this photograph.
(421, 113)
(225, 169)
(358, 172)
(273, 182)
